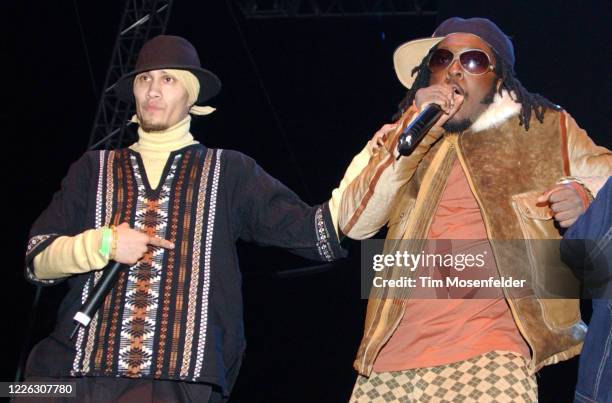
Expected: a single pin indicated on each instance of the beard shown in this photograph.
(149, 126)
(458, 126)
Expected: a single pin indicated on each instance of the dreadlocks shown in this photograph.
(529, 101)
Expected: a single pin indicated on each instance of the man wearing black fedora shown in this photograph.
(499, 174)
(170, 210)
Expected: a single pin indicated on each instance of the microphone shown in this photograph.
(413, 133)
(97, 296)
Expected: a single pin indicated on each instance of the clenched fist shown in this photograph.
(565, 203)
(448, 96)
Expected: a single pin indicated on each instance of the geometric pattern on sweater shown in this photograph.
(103, 209)
(153, 323)
(178, 314)
(206, 280)
(140, 310)
(323, 236)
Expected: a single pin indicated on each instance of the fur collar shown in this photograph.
(502, 108)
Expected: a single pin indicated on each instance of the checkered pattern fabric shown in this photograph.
(496, 376)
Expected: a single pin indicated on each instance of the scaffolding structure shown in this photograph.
(261, 9)
(141, 20)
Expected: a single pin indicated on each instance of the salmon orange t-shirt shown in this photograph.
(443, 325)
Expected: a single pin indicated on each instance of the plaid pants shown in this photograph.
(496, 376)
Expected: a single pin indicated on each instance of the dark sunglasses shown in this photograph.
(473, 61)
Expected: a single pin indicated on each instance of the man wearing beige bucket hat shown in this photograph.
(170, 210)
(501, 171)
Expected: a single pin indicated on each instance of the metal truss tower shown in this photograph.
(335, 8)
(141, 20)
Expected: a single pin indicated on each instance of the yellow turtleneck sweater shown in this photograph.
(155, 147)
(67, 255)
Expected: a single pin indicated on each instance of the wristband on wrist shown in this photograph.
(113, 252)
(106, 241)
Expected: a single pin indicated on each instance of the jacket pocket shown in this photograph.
(552, 281)
(536, 221)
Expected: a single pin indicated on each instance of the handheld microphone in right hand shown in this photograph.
(413, 133)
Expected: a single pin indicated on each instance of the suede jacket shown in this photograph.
(507, 169)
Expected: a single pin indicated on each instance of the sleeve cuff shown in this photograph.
(583, 191)
(328, 244)
(37, 244)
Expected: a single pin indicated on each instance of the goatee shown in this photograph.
(151, 127)
(457, 127)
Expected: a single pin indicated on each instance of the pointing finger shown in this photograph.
(163, 243)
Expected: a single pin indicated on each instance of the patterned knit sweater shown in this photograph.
(176, 314)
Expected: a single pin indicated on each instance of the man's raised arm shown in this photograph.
(368, 200)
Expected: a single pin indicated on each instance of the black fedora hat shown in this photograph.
(169, 52)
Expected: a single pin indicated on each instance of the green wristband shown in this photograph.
(106, 243)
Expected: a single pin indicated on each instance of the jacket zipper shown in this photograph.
(454, 144)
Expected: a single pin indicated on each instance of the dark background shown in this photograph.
(312, 95)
